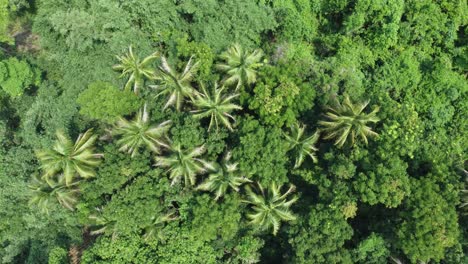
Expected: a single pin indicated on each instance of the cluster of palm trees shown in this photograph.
(66, 163)
(63, 166)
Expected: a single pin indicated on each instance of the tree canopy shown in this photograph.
(241, 131)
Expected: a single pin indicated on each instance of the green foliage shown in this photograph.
(4, 21)
(58, 255)
(16, 76)
(297, 21)
(226, 175)
(346, 122)
(320, 236)
(280, 96)
(240, 66)
(387, 182)
(301, 145)
(261, 152)
(43, 193)
(70, 158)
(176, 85)
(186, 164)
(270, 207)
(398, 198)
(429, 224)
(215, 105)
(372, 250)
(138, 132)
(243, 21)
(136, 70)
(104, 102)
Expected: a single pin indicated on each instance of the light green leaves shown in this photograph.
(44, 193)
(175, 85)
(137, 70)
(227, 175)
(70, 159)
(300, 144)
(347, 121)
(138, 132)
(186, 164)
(240, 66)
(217, 106)
(270, 207)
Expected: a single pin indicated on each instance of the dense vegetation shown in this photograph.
(242, 131)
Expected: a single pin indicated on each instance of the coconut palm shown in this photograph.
(136, 70)
(139, 132)
(70, 159)
(102, 224)
(301, 145)
(155, 229)
(217, 106)
(270, 207)
(175, 85)
(346, 121)
(226, 175)
(240, 65)
(44, 193)
(185, 164)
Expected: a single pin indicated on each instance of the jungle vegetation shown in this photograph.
(242, 131)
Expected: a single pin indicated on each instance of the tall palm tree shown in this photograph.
(136, 70)
(175, 85)
(270, 207)
(103, 224)
(240, 65)
(185, 164)
(138, 132)
(217, 106)
(44, 193)
(70, 159)
(226, 175)
(154, 229)
(346, 121)
(301, 145)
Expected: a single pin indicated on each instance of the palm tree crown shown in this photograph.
(270, 207)
(70, 159)
(240, 66)
(301, 145)
(138, 132)
(136, 70)
(175, 85)
(44, 193)
(154, 230)
(184, 164)
(217, 106)
(347, 120)
(226, 175)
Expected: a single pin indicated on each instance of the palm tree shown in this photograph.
(301, 145)
(216, 106)
(347, 121)
(270, 208)
(226, 175)
(240, 66)
(44, 193)
(176, 85)
(70, 159)
(103, 224)
(184, 164)
(154, 230)
(136, 70)
(138, 132)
